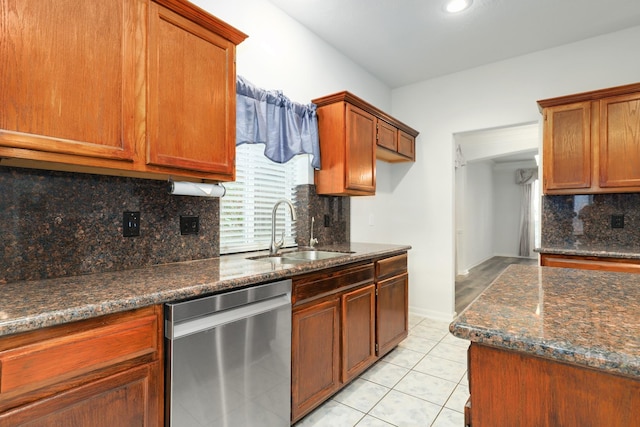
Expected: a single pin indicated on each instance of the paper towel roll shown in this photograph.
(196, 189)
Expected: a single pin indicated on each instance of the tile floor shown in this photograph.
(423, 382)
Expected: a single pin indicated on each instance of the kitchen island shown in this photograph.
(554, 347)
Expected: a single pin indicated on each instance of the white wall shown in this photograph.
(479, 208)
(495, 95)
(506, 207)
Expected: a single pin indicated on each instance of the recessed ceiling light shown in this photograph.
(455, 6)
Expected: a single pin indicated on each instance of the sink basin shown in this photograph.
(297, 257)
(312, 255)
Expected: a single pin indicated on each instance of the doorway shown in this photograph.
(488, 197)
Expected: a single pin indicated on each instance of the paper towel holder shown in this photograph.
(199, 189)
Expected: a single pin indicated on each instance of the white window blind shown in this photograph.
(245, 210)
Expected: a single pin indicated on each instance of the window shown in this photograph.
(245, 210)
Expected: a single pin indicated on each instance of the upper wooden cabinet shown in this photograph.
(68, 83)
(353, 133)
(129, 87)
(591, 142)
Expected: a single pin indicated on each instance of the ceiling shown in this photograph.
(405, 41)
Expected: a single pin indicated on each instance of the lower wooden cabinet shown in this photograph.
(315, 355)
(622, 265)
(392, 312)
(99, 372)
(117, 400)
(344, 319)
(358, 331)
(510, 388)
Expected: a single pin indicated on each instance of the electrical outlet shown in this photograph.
(130, 224)
(327, 221)
(617, 221)
(189, 224)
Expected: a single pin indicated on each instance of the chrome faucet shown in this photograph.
(274, 246)
(312, 241)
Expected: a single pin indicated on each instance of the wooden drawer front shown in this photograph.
(591, 263)
(325, 283)
(54, 360)
(391, 266)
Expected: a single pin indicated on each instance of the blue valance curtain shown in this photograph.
(285, 127)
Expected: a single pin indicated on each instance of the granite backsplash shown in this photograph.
(573, 220)
(56, 224)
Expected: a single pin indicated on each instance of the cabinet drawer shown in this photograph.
(69, 354)
(322, 284)
(393, 266)
(591, 263)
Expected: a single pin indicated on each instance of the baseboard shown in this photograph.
(515, 256)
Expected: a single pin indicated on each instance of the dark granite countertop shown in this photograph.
(30, 305)
(597, 250)
(583, 317)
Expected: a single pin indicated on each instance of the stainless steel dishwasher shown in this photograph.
(228, 358)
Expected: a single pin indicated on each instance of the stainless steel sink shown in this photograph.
(297, 257)
(312, 255)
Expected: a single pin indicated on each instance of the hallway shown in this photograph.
(480, 277)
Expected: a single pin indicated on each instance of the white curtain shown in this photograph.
(526, 178)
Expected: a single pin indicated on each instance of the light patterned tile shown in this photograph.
(403, 357)
(414, 320)
(403, 410)
(449, 418)
(435, 324)
(450, 352)
(361, 394)
(433, 389)
(450, 339)
(441, 368)
(428, 333)
(369, 421)
(418, 344)
(385, 373)
(331, 413)
(458, 398)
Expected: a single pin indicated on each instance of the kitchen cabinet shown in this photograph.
(353, 134)
(392, 287)
(315, 368)
(126, 87)
(100, 372)
(511, 388)
(358, 331)
(328, 306)
(624, 265)
(591, 142)
(344, 319)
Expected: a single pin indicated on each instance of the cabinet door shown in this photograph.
(620, 141)
(567, 147)
(315, 355)
(68, 81)
(191, 107)
(392, 308)
(387, 136)
(360, 151)
(406, 145)
(358, 331)
(130, 398)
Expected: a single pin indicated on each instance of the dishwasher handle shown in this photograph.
(174, 331)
